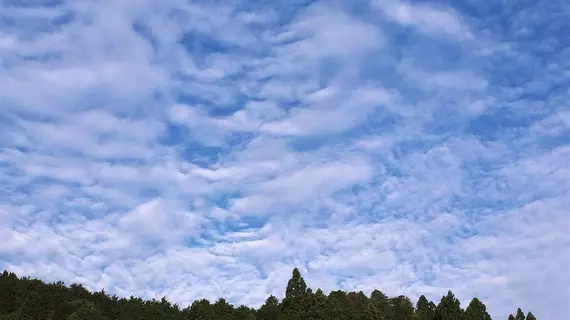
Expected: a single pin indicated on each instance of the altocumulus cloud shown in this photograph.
(198, 149)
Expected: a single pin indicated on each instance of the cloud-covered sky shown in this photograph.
(198, 149)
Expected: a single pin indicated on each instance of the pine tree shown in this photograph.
(201, 310)
(357, 302)
(222, 309)
(337, 305)
(401, 308)
(8, 296)
(294, 303)
(371, 312)
(424, 309)
(520, 315)
(476, 311)
(269, 310)
(32, 299)
(244, 313)
(315, 305)
(380, 301)
(296, 286)
(448, 308)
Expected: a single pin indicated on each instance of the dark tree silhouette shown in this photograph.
(32, 299)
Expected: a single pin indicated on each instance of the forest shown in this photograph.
(24, 298)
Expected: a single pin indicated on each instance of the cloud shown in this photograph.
(433, 20)
(204, 150)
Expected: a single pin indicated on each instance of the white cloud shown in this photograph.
(433, 20)
(210, 156)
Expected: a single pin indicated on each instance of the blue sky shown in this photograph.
(204, 149)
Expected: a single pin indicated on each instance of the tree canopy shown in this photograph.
(32, 299)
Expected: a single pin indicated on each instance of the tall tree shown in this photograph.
(476, 310)
(337, 306)
(520, 315)
(380, 301)
(244, 313)
(448, 308)
(32, 299)
(269, 310)
(296, 286)
(315, 304)
(357, 302)
(371, 312)
(296, 294)
(201, 310)
(424, 309)
(8, 294)
(222, 309)
(402, 308)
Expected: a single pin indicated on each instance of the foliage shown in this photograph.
(32, 299)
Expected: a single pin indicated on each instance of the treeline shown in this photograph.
(32, 299)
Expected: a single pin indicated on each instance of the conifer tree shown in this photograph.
(32, 299)
(201, 310)
(424, 309)
(269, 310)
(295, 297)
(315, 304)
(448, 308)
(476, 311)
(8, 294)
(371, 312)
(337, 305)
(520, 315)
(380, 301)
(296, 286)
(401, 308)
(530, 316)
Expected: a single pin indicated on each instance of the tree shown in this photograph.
(35, 307)
(296, 286)
(269, 310)
(315, 304)
(401, 308)
(476, 310)
(8, 296)
(337, 306)
(357, 302)
(32, 299)
(424, 309)
(380, 301)
(201, 310)
(244, 313)
(86, 311)
(296, 294)
(371, 312)
(222, 309)
(448, 308)
(520, 315)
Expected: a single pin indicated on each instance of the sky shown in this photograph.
(199, 149)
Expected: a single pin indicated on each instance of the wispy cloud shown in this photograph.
(203, 150)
